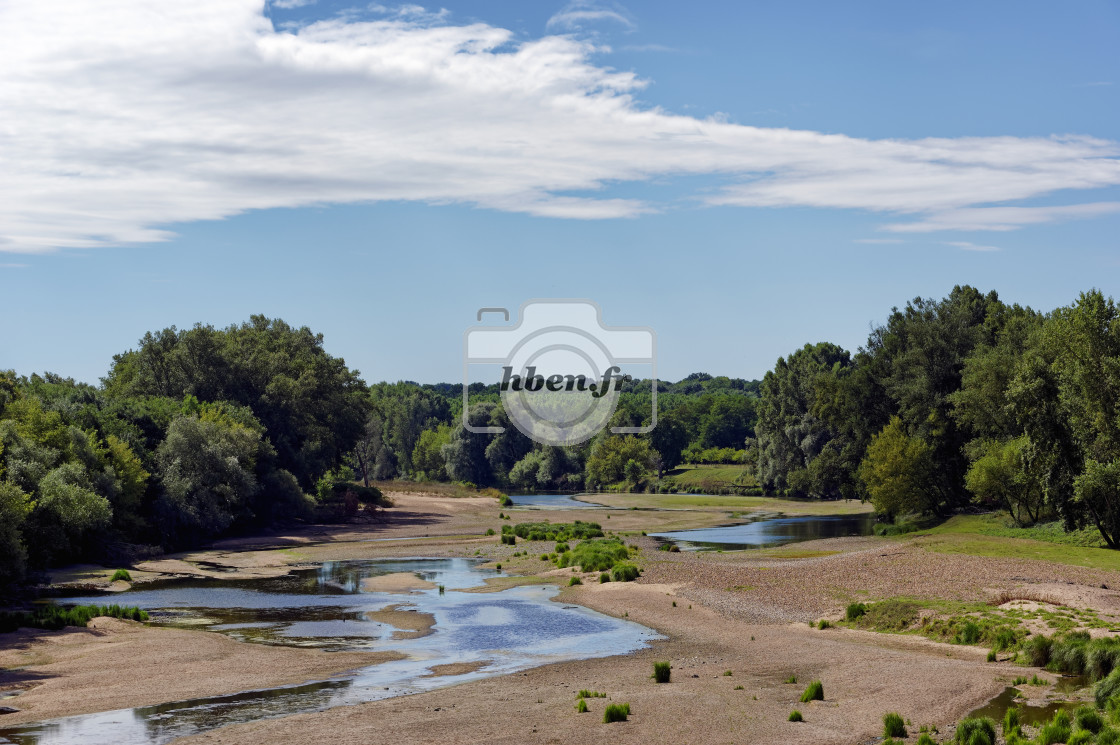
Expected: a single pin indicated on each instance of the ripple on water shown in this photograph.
(474, 635)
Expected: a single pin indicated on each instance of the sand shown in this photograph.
(744, 612)
(399, 582)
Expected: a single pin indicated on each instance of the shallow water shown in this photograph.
(769, 532)
(553, 502)
(1035, 716)
(324, 607)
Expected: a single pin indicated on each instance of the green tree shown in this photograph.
(1097, 489)
(14, 508)
(610, 456)
(1001, 475)
(427, 456)
(898, 472)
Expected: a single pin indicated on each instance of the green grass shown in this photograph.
(604, 577)
(616, 713)
(795, 716)
(584, 693)
(854, 611)
(712, 479)
(624, 573)
(984, 535)
(976, 731)
(581, 706)
(893, 726)
(791, 679)
(546, 531)
(823, 624)
(575, 581)
(813, 692)
(54, 617)
(121, 574)
(596, 555)
(1055, 731)
(661, 672)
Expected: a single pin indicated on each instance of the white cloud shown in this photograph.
(579, 14)
(967, 246)
(122, 118)
(289, 4)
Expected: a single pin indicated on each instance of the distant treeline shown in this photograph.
(203, 432)
(957, 402)
(196, 433)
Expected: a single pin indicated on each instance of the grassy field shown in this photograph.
(710, 478)
(985, 535)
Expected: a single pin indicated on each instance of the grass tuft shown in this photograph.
(581, 706)
(795, 716)
(814, 692)
(976, 731)
(661, 672)
(575, 581)
(121, 574)
(893, 726)
(854, 611)
(616, 713)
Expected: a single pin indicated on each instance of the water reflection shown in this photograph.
(503, 632)
(553, 502)
(769, 532)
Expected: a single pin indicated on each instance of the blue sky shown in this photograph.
(769, 175)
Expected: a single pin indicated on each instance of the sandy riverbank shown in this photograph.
(743, 612)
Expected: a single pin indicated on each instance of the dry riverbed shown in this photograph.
(746, 613)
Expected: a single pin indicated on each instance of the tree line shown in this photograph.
(952, 403)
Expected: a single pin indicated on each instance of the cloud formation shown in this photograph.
(119, 119)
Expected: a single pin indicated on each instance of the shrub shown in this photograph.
(1080, 737)
(509, 539)
(1011, 721)
(1107, 688)
(976, 731)
(661, 672)
(604, 577)
(1054, 731)
(1067, 654)
(991, 655)
(893, 726)
(1101, 656)
(1004, 639)
(854, 611)
(581, 706)
(1087, 718)
(121, 574)
(1038, 650)
(1108, 736)
(968, 633)
(505, 501)
(489, 531)
(925, 739)
(823, 624)
(616, 713)
(575, 581)
(624, 573)
(599, 555)
(814, 692)
(795, 716)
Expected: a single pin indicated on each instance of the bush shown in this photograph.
(814, 692)
(976, 731)
(1107, 688)
(1087, 718)
(558, 531)
(604, 578)
(893, 726)
(121, 574)
(624, 573)
(823, 624)
(616, 713)
(1101, 657)
(509, 539)
(1080, 737)
(598, 555)
(854, 611)
(581, 706)
(1011, 721)
(968, 633)
(1067, 654)
(661, 672)
(925, 739)
(1054, 731)
(795, 716)
(489, 531)
(1038, 650)
(575, 581)
(1108, 736)
(991, 655)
